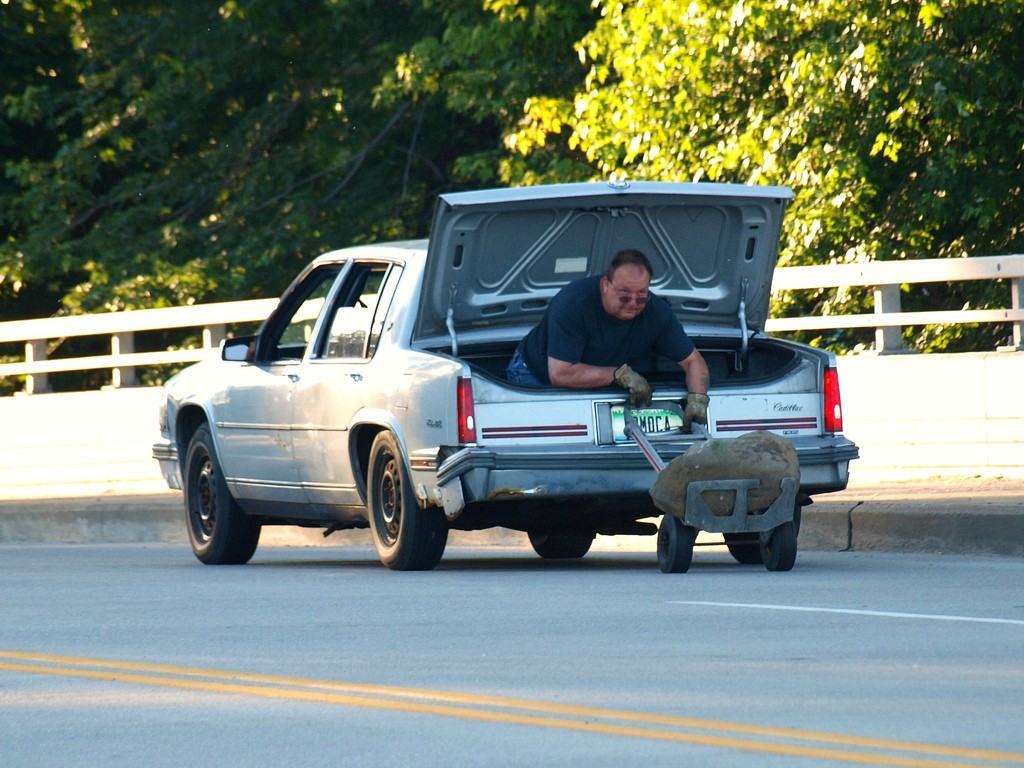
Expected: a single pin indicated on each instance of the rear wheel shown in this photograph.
(675, 545)
(746, 548)
(406, 536)
(778, 548)
(561, 546)
(219, 531)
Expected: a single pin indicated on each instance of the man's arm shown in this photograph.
(583, 376)
(579, 375)
(698, 379)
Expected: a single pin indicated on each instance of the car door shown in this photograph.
(339, 380)
(255, 416)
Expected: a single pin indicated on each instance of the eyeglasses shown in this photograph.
(626, 298)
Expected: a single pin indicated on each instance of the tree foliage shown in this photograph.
(492, 57)
(898, 123)
(201, 151)
(158, 154)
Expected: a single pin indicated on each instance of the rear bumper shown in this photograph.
(485, 474)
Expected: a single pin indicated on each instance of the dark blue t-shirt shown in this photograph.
(576, 329)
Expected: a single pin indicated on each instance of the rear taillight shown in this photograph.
(833, 402)
(467, 419)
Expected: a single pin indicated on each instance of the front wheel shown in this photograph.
(675, 545)
(406, 536)
(219, 531)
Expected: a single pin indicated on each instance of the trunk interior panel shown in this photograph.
(763, 362)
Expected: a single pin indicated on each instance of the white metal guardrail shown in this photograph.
(121, 327)
(886, 278)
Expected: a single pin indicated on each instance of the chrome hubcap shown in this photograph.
(204, 511)
(390, 507)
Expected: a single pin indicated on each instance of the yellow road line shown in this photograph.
(527, 704)
(439, 703)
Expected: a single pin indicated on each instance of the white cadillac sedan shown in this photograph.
(375, 394)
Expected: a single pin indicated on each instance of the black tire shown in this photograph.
(675, 545)
(218, 530)
(778, 548)
(561, 546)
(406, 536)
(744, 547)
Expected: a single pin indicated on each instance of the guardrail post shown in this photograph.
(36, 383)
(213, 335)
(1016, 302)
(122, 344)
(888, 340)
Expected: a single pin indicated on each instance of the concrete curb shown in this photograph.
(949, 515)
(105, 519)
(159, 518)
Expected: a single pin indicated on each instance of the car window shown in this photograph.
(296, 329)
(387, 293)
(355, 322)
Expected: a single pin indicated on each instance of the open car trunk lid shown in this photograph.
(497, 257)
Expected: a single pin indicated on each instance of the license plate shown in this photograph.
(660, 420)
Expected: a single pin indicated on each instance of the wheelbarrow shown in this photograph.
(774, 526)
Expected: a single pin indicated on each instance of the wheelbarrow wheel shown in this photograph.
(561, 546)
(675, 545)
(778, 548)
(748, 549)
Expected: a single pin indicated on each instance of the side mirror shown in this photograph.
(240, 350)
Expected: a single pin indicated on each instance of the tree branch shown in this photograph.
(365, 152)
(411, 151)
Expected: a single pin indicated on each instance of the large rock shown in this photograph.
(761, 456)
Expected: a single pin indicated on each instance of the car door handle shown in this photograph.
(356, 376)
(293, 377)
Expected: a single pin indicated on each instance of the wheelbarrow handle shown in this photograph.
(635, 431)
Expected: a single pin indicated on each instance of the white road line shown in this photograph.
(851, 612)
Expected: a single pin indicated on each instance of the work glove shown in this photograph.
(639, 389)
(696, 410)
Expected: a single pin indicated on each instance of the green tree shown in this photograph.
(207, 151)
(491, 58)
(898, 123)
(36, 80)
(159, 154)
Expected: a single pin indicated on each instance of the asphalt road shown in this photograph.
(136, 655)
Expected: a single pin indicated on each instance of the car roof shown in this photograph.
(403, 249)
